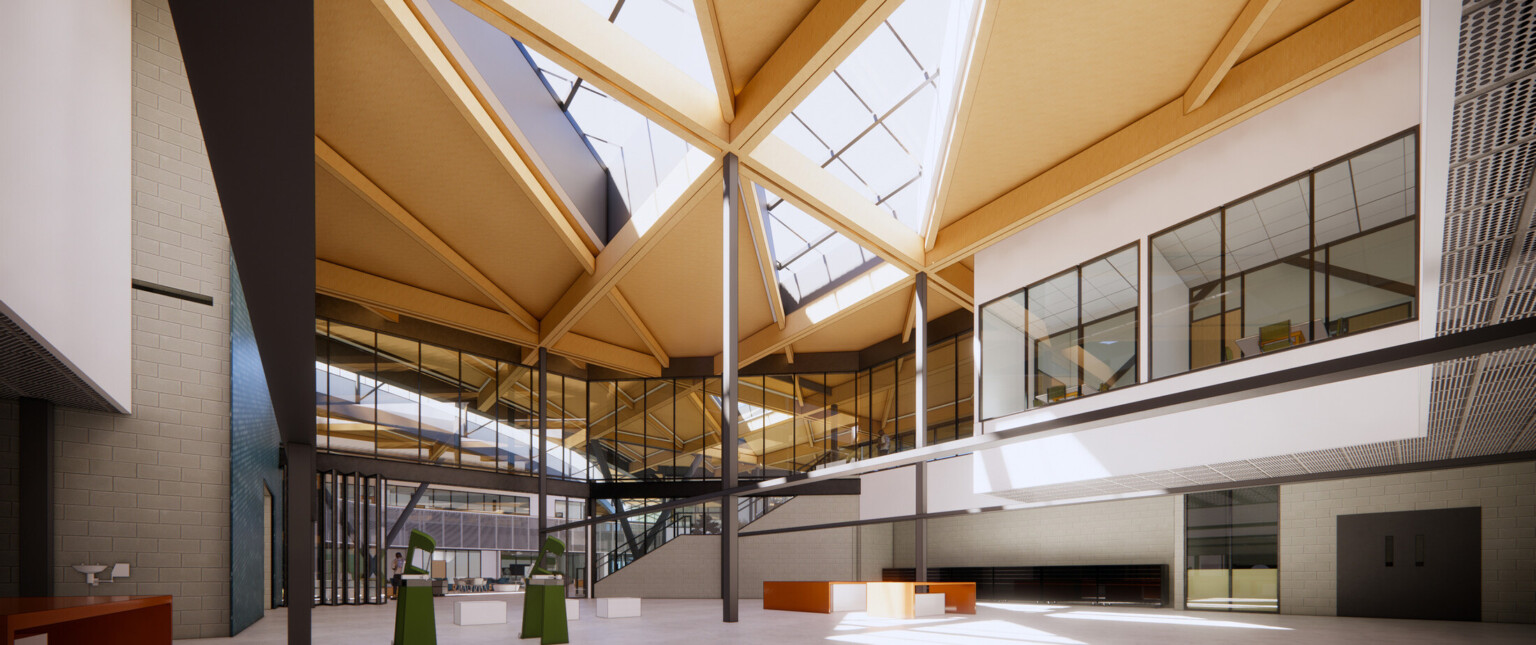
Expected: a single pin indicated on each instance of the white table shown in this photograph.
(480, 612)
(618, 607)
(928, 604)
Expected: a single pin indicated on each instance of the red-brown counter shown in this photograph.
(107, 620)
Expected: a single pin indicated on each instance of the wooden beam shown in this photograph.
(782, 169)
(1338, 41)
(789, 353)
(622, 67)
(757, 224)
(1231, 47)
(957, 283)
(714, 48)
(621, 255)
(512, 153)
(965, 99)
(822, 40)
(638, 325)
(383, 313)
(806, 320)
(366, 289)
(354, 179)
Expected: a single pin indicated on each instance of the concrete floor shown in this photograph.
(698, 621)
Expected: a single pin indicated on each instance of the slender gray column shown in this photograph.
(920, 422)
(541, 452)
(730, 557)
(300, 528)
(35, 543)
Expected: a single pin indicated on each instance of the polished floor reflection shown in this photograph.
(673, 621)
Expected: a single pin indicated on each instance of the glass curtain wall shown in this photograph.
(1070, 335)
(380, 395)
(1331, 252)
(1232, 553)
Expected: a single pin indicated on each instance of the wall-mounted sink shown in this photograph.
(90, 571)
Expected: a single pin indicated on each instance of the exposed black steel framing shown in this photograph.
(34, 569)
(405, 513)
(1493, 338)
(730, 415)
(920, 420)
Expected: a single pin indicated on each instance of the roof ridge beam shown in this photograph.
(779, 167)
(615, 62)
(513, 154)
(1322, 50)
(622, 254)
(370, 192)
(757, 225)
(714, 48)
(822, 40)
(635, 323)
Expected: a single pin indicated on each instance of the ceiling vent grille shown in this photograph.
(29, 369)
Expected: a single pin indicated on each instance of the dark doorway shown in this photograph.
(1412, 564)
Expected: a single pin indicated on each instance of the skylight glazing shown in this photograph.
(878, 123)
(668, 27)
(650, 165)
(810, 257)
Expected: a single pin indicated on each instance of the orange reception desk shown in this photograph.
(894, 598)
(814, 597)
(104, 620)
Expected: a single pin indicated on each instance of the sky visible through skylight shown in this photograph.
(650, 165)
(878, 123)
(808, 255)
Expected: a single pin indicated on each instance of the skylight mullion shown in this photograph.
(879, 121)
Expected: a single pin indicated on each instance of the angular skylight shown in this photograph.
(810, 258)
(650, 166)
(879, 122)
(669, 27)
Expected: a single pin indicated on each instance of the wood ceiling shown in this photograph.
(429, 205)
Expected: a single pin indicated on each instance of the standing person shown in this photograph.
(396, 569)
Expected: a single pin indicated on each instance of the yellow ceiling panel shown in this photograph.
(378, 107)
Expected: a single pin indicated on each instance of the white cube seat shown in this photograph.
(572, 609)
(928, 604)
(850, 598)
(480, 612)
(618, 607)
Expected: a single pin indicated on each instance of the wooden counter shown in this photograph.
(104, 620)
(897, 599)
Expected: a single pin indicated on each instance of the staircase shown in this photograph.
(635, 537)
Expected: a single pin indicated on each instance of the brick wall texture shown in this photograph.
(689, 565)
(1505, 492)
(152, 488)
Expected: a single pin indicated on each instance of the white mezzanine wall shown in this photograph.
(1366, 104)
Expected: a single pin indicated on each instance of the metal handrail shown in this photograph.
(748, 509)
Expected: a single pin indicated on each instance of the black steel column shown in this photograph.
(299, 573)
(730, 556)
(541, 449)
(920, 422)
(35, 542)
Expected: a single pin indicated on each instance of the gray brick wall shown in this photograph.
(689, 566)
(152, 488)
(1506, 493)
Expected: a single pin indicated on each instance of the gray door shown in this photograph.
(1412, 564)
